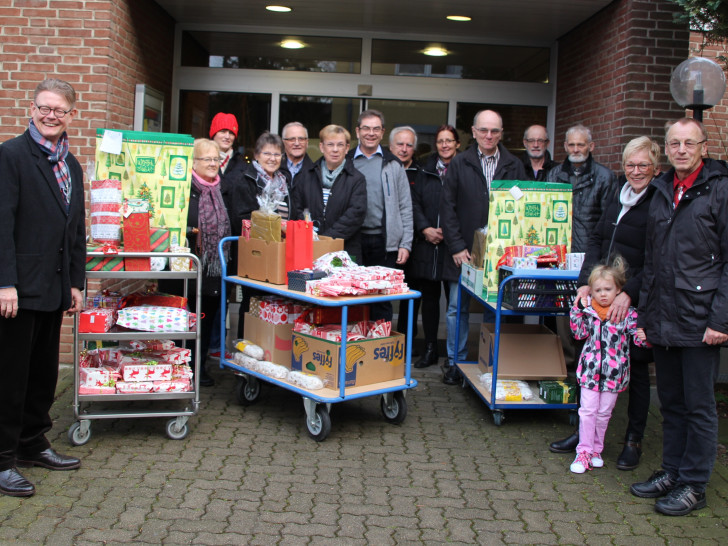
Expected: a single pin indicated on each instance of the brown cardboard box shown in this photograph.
(368, 361)
(265, 261)
(275, 339)
(527, 351)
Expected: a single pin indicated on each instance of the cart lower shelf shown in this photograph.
(471, 375)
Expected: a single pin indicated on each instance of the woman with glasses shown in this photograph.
(207, 223)
(621, 231)
(241, 196)
(333, 191)
(428, 250)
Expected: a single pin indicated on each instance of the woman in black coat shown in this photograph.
(428, 249)
(622, 231)
(333, 192)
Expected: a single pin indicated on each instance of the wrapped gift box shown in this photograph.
(136, 239)
(96, 320)
(174, 385)
(95, 376)
(135, 387)
(103, 263)
(105, 389)
(154, 319)
(146, 372)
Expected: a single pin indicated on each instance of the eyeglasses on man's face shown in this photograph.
(485, 131)
(296, 139)
(540, 141)
(208, 160)
(335, 145)
(60, 113)
(367, 129)
(690, 145)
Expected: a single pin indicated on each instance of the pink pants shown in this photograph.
(595, 409)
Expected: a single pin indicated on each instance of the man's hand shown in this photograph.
(618, 309)
(461, 257)
(402, 255)
(76, 301)
(433, 235)
(8, 302)
(713, 337)
(582, 294)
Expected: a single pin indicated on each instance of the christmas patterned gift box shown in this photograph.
(135, 387)
(146, 372)
(136, 239)
(96, 320)
(154, 319)
(110, 262)
(174, 385)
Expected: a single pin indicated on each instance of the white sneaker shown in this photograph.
(581, 464)
(597, 461)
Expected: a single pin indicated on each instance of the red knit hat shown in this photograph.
(223, 121)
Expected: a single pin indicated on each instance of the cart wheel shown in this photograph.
(247, 390)
(396, 411)
(76, 436)
(319, 425)
(176, 432)
(498, 418)
(573, 418)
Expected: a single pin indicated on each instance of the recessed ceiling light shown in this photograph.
(460, 18)
(278, 9)
(435, 51)
(292, 44)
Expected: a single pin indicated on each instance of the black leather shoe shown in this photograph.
(658, 485)
(429, 358)
(13, 483)
(682, 500)
(50, 459)
(567, 445)
(452, 376)
(629, 459)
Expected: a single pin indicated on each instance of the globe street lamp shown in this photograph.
(698, 84)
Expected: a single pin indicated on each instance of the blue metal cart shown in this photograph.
(317, 403)
(470, 370)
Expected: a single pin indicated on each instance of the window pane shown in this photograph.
(264, 52)
(463, 61)
(315, 113)
(516, 119)
(423, 117)
(197, 108)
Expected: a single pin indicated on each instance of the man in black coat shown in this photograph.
(42, 271)
(536, 158)
(296, 159)
(463, 209)
(683, 309)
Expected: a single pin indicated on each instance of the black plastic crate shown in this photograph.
(537, 295)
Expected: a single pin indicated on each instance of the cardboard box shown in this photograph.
(368, 361)
(472, 279)
(275, 339)
(266, 261)
(526, 351)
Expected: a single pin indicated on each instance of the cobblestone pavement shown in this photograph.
(251, 475)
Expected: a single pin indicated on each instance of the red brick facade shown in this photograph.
(613, 75)
(103, 48)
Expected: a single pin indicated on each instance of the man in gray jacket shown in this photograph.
(386, 234)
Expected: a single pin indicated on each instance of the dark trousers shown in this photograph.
(374, 252)
(403, 314)
(686, 379)
(430, 305)
(639, 391)
(29, 370)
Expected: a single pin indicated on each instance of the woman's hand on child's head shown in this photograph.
(618, 309)
(582, 295)
(640, 334)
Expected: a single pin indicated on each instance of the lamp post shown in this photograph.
(698, 84)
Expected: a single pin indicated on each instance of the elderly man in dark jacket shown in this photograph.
(464, 208)
(593, 184)
(333, 191)
(684, 311)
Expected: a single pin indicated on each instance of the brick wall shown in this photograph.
(103, 48)
(614, 75)
(715, 119)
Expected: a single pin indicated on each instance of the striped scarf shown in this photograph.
(56, 154)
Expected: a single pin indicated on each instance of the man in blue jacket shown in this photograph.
(42, 270)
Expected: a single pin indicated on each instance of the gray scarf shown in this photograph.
(329, 177)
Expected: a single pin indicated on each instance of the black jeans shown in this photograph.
(686, 379)
(639, 390)
(374, 252)
(29, 370)
(430, 304)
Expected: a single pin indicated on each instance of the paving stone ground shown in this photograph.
(251, 475)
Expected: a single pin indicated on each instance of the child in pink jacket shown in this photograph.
(603, 369)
